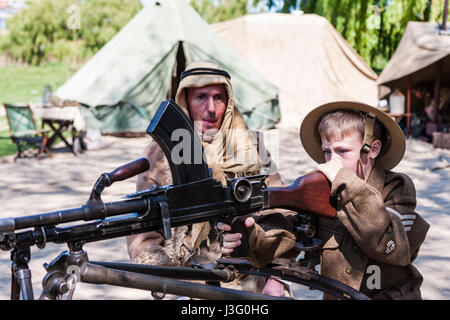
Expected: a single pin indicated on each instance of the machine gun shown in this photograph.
(193, 197)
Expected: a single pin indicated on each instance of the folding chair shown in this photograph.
(22, 129)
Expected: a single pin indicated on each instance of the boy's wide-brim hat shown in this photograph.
(310, 138)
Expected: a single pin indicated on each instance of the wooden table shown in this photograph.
(60, 119)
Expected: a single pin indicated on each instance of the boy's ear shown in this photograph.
(376, 149)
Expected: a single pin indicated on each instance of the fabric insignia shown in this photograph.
(390, 246)
(407, 219)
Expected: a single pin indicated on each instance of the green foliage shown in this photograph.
(372, 27)
(219, 10)
(68, 31)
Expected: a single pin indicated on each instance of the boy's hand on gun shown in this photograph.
(233, 240)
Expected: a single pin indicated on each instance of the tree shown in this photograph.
(65, 30)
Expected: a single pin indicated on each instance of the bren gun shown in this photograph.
(193, 197)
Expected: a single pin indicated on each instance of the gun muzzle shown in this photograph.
(7, 225)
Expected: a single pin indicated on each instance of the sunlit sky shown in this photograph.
(250, 8)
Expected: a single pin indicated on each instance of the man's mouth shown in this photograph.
(210, 121)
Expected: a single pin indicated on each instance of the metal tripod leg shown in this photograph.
(21, 275)
(15, 287)
(26, 286)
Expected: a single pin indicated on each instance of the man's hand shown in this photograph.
(331, 168)
(273, 288)
(232, 240)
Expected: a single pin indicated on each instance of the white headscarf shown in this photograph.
(232, 150)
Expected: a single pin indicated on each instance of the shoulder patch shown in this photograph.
(390, 246)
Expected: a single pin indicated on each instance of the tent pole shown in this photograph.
(444, 19)
(439, 67)
(408, 108)
(437, 90)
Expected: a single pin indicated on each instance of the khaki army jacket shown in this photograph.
(372, 242)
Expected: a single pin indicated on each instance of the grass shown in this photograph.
(20, 84)
(6, 145)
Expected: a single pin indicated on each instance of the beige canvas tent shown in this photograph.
(305, 57)
(124, 83)
(421, 60)
(421, 48)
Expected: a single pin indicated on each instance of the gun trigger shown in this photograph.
(165, 219)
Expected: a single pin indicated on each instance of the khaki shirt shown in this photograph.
(376, 232)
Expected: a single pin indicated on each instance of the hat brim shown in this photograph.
(310, 139)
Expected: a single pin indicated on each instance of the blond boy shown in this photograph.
(376, 235)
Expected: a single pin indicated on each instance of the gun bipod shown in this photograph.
(71, 267)
(21, 274)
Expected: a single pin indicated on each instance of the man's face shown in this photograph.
(346, 150)
(207, 106)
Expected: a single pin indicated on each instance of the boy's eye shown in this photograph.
(326, 152)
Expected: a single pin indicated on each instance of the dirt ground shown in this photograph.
(29, 186)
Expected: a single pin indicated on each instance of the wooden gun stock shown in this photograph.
(308, 193)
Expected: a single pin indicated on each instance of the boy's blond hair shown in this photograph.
(338, 124)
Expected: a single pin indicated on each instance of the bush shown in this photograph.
(68, 31)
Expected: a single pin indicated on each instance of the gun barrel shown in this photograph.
(85, 213)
